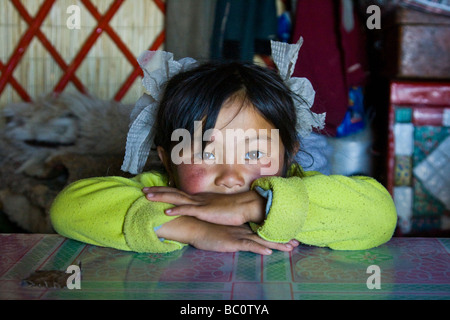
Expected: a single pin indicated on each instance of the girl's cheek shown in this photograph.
(272, 167)
(192, 178)
(253, 173)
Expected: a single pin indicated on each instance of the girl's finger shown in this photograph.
(159, 189)
(294, 243)
(205, 213)
(184, 210)
(249, 235)
(175, 198)
(255, 247)
(274, 245)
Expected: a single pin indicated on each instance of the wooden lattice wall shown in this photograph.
(42, 52)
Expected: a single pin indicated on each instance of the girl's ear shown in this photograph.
(296, 149)
(165, 159)
(161, 154)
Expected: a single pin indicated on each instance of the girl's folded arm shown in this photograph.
(112, 212)
(345, 213)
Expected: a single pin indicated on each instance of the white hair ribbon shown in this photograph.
(285, 57)
(158, 67)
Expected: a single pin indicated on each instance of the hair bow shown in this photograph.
(285, 57)
(158, 67)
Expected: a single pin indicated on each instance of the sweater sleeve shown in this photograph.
(112, 212)
(339, 212)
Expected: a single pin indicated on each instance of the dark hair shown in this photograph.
(198, 94)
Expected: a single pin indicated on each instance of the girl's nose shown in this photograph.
(229, 176)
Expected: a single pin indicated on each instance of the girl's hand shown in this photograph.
(213, 237)
(225, 209)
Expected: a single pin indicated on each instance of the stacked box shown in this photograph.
(418, 44)
(418, 164)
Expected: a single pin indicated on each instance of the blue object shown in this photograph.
(284, 27)
(354, 117)
(268, 194)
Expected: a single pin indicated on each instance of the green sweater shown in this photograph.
(343, 213)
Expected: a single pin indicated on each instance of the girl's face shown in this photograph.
(241, 148)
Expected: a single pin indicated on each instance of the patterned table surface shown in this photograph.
(404, 268)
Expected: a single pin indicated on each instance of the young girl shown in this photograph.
(230, 181)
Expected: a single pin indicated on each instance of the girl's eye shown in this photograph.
(208, 156)
(253, 155)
